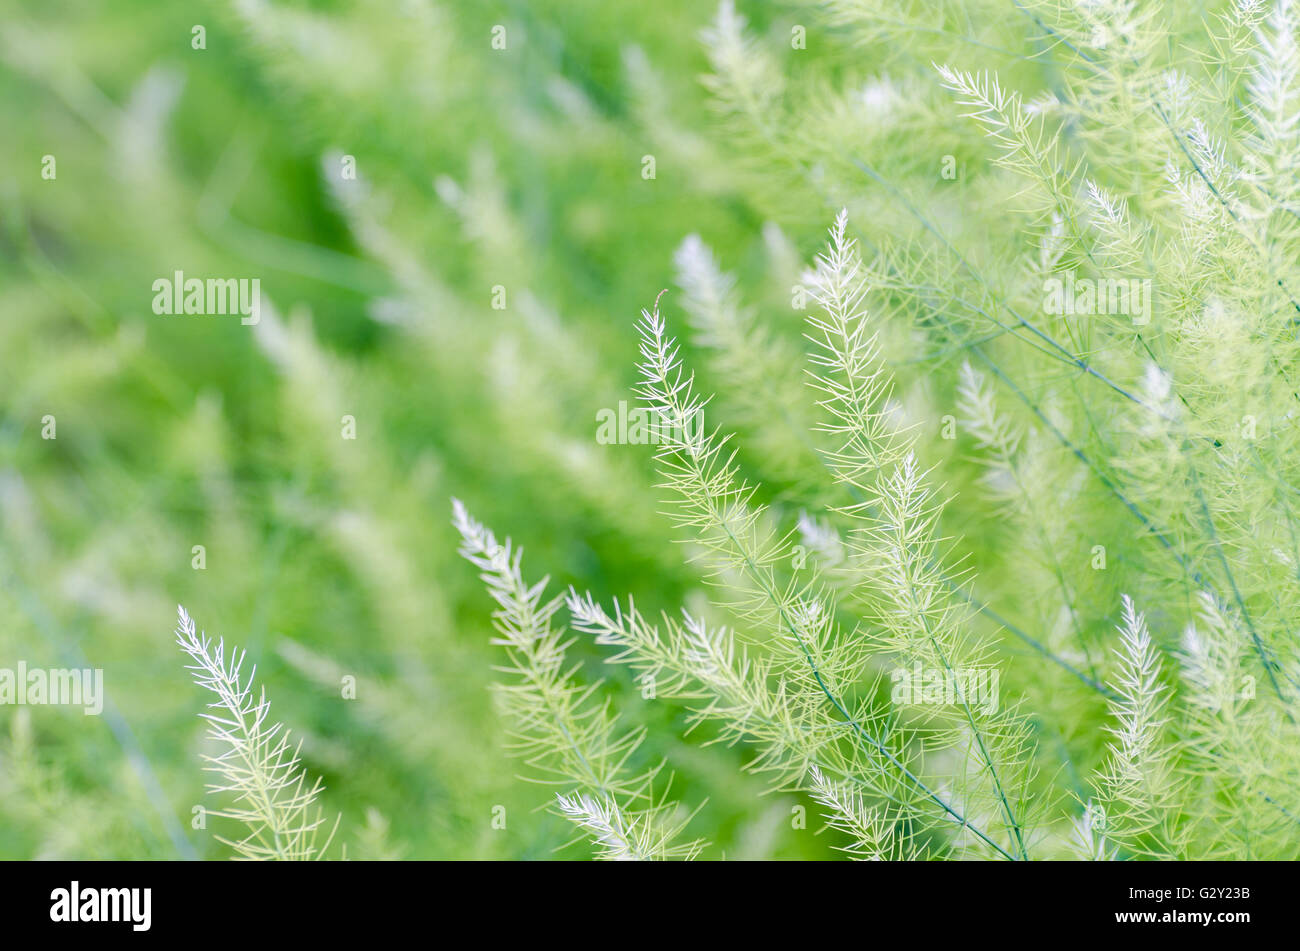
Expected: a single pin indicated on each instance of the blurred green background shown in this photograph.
(476, 168)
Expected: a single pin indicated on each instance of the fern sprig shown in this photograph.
(558, 727)
(257, 762)
(1138, 787)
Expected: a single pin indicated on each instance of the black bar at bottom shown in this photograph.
(613, 902)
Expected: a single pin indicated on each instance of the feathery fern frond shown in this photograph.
(815, 661)
(558, 727)
(257, 762)
(872, 835)
(849, 375)
(1137, 789)
(622, 838)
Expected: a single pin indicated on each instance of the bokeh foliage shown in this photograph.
(522, 169)
(326, 557)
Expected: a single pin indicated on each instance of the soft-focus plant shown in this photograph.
(1142, 323)
(257, 764)
(1046, 468)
